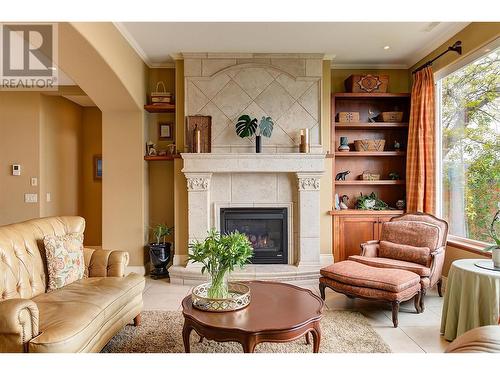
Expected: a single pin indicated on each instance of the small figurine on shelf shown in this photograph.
(372, 115)
(150, 149)
(341, 175)
(343, 202)
(344, 145)
(397, 146)
(394, 175)
(400, 204)
(171, 149)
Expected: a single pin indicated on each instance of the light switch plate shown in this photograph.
(34, 181)
(30, 198)
(16, 169)
(48, 197)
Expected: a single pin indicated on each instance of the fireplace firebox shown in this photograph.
(266, 229)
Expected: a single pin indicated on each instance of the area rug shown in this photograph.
(161, 332)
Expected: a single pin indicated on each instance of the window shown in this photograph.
(469, 145)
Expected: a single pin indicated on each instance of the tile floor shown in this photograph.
(417, 333)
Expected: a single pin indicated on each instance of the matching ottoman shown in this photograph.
(382, 284)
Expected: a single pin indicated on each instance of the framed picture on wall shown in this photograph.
(97, 167)
(165, 131)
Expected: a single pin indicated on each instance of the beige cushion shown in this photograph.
(392, 263)
(358, 274)
(478, 340)
(70, 317)
(65, 263)
(411, 233)
(407, 253)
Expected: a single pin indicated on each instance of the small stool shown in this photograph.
(382, 284)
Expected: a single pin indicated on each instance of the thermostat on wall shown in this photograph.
(16, 169)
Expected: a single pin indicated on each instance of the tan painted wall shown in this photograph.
(180, 183)
(19, 144)
(398, 78)
(60, 125)
(161, 173)
(91, 191)
(98, 58)
(453, 254)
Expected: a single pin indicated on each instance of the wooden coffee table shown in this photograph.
(278, 312)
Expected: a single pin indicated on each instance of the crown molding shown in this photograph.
(335, 65)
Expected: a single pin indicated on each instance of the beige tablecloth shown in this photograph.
(472, 298)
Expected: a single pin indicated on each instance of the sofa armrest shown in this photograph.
(370, 248)
(18, 324)
(103, 263)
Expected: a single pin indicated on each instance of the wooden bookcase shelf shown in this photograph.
(352, 227)
(162, 158)
(370, 182)
(369, 125)
(368, 153)
(160, 108)
(364, 212)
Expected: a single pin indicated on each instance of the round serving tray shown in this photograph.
(486, 264)
(239, 297)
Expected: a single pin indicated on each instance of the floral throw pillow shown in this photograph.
(65, 262)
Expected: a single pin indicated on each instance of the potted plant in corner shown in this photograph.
(220, 254)
(495, 248)
(247, 127)
(160, 251)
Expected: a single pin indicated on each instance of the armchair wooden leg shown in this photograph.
(417, 302)
(422, 295)
(322, 290)
(137, 320)
(395, 310)
(440, 285)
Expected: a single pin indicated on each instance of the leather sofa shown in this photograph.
(80, 317)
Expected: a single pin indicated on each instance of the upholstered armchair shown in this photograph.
(414, 242)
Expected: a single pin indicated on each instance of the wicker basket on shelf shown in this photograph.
(369, 144)
(392, 116)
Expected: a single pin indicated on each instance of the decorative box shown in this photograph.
(369, 144)
(392, 116)
(367, 176)
(367, 83)
(348, 116)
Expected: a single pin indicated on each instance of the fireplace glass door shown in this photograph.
(266, 229)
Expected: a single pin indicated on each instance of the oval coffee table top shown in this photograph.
(274, 306)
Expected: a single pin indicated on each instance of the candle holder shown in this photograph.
(304, 141)
(196, 140)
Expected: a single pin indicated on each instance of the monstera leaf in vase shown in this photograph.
(247, 127)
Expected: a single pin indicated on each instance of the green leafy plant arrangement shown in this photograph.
(492, 232)
(247, 126)
(160, 232)
(370, 202)
(219, 255)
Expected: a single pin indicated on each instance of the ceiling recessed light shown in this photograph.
(52, 68)
(387, 47)
(487, 50)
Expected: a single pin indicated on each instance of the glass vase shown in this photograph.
(218, 286)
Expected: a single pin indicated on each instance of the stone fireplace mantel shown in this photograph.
(247, 163)
(305, 171)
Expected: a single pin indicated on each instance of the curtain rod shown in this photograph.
(457, 47)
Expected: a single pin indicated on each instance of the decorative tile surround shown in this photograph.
(286, 87)
(289, 180)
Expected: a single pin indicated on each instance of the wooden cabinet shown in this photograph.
(351, 229)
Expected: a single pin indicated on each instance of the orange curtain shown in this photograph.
(421, 156)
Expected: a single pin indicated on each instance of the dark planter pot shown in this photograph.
(258, 144)
(160, 255)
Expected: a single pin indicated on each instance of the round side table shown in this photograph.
(472, 298)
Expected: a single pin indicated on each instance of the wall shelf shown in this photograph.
(368, 153)
(162, 158)
(371, 182)
(369, 125)
(364, 212)
(160, 108)
(384, 95)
